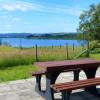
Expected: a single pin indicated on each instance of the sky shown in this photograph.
(41, 16)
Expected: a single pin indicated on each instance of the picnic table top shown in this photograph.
(67, 64)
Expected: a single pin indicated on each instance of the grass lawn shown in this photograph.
(10, 56)
(16, 72)
(22, 71)
(16, 63)
(95, 56)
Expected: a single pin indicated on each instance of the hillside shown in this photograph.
(40, 35)
(54, 36)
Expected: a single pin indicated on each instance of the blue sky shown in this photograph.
(41, 16)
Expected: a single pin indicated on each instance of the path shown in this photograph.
(25, 89)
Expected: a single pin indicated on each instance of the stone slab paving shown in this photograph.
(25, 89)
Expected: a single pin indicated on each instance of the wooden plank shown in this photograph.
(38, 73)
(79, 86)
(76, 84)
(67, 64)
(58, 85)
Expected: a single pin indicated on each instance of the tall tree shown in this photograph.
(89, 25)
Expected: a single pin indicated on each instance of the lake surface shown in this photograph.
(17, 42)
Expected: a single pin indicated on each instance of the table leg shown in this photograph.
(76, 75)
(50, 79)
(66, 95)
(91, 74)
(38, 86)
(38, 83)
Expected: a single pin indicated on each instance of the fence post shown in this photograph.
(52, 46)
(36, 52)
(20, 43)
(73, 46)
(60, 45)
(83, 46)
(88, 53)
(67, 51)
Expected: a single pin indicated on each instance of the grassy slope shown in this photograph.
(16, 72)
(12, 60)
(22, 71)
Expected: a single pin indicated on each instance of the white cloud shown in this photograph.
(7, 16)
(8, 7)
(8, 25)
(16, 19)
(17, 6)
(67, 10)
(27, 6)
(10, 17)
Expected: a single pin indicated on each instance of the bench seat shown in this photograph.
(69, 86)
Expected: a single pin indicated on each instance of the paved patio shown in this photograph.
(25, 89)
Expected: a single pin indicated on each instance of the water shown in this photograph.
(17, 42)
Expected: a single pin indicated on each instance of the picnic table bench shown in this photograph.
(52, 69)
(66, 88)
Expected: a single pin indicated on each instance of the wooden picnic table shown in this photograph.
(52, 69)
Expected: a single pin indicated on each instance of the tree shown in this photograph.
(89, 25)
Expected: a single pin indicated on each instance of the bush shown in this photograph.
(95, 44)
(95, 51)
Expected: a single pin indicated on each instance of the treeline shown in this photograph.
(54, 36)
(60, 35)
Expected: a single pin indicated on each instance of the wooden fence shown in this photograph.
(59, 52)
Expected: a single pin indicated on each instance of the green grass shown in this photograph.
(95, 56)
(16, 63)
(16, 72)
(7, 49)
(10, 56)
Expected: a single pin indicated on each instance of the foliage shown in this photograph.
(10, 56)
(94, 44)
(16, 72)
(95, 56)
(16, 63)
(95, 51)
(15, 57)
(54, 36)
(89, 25)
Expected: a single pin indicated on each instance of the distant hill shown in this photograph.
(14, 35)
(54, 36)
(40, 35)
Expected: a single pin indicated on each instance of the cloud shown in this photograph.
(27, 6)
(20, 6)
(16, 19)
(10, 18)
(67, 10)
(6, 16)
(8, 25)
